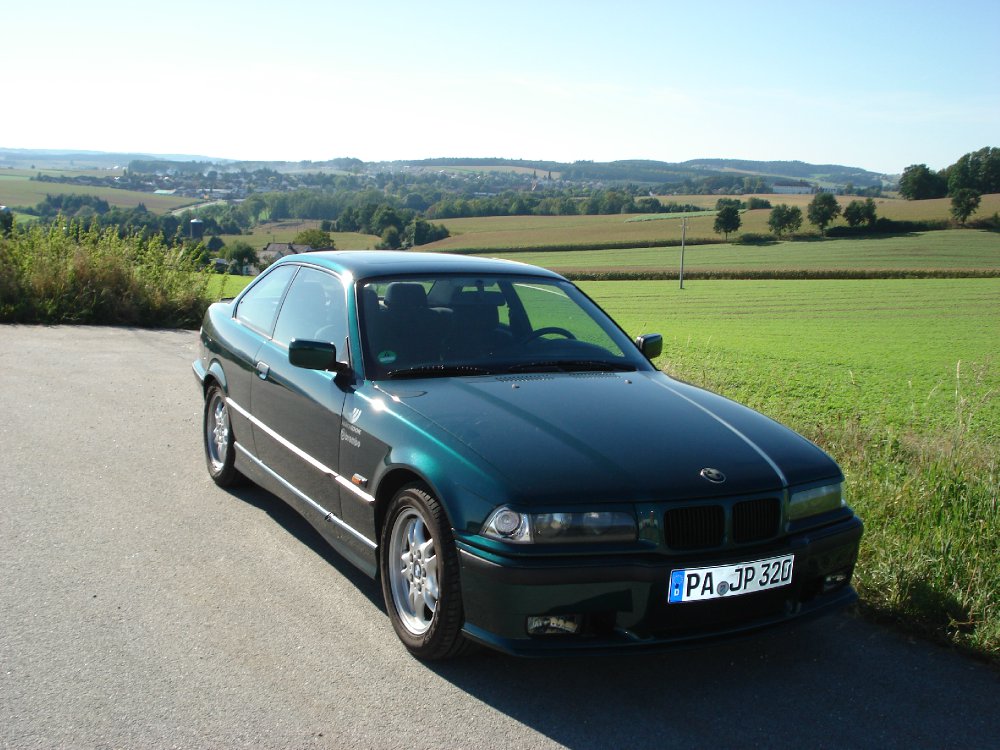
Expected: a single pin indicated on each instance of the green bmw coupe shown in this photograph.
(486, 441)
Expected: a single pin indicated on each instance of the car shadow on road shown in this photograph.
(292, 522)
(838, 682)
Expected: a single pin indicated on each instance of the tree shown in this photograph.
(317, 239)
(978, 170)
(420, 232)
(860, 212)
(728, 219)
(239, 254)
(784, 218)
(391, 238)
(822, 210)
(919, 183)
(385, 216)
(214, 244)
(6, 221)
(964, 203)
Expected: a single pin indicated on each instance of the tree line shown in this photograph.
(974, 174)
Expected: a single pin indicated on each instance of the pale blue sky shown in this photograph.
(879, 85)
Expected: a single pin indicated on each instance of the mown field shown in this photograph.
(17, 189)
(499, 232)
(882, 352)
(955, 250)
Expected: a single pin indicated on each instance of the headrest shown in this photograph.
(405, 294)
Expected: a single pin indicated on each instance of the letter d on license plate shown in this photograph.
(698, 584)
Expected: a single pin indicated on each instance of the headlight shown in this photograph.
(543, 528)
(815, 501)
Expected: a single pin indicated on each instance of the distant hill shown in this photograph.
(639, 171)
(28, 158)
(797, 169)
(661, 172)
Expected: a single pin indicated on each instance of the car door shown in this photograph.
(254, 315)
(298, 411)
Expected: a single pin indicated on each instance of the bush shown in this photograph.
(888, 226)
(755, 238)
(991, 223)
(68, 274)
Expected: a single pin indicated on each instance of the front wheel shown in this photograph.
(419, 570)
(220, 448)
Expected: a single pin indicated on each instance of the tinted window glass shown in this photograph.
(313, 310)
(460, 325)
(260, 304)
(550, 306)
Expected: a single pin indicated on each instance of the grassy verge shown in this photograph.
(51, 275)
(899, 381)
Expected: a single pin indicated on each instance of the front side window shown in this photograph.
(314, 310)
(460, 325)
(258, 307)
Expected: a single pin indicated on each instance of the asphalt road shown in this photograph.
(144, 607)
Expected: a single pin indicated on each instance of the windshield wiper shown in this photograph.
(436, 371)
(572, 365)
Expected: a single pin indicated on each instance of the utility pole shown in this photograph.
(684, 226)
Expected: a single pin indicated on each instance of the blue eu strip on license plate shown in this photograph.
(699, 584)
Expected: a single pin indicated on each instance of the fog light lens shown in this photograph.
(834, 581)
(554, 625)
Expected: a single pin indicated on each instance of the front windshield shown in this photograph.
(474, 325)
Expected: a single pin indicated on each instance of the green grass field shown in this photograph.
(16, 189)
(958, 249)
(883, 352)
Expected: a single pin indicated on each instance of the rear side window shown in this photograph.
(259, 306)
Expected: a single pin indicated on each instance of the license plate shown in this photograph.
(699, 584)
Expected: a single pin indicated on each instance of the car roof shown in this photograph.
(363, 264)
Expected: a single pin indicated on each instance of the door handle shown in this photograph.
(262, 370)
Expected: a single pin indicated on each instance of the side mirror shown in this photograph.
(650, 344)
(315, 355)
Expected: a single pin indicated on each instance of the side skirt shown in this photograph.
(347, 541)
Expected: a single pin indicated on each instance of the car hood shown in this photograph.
(586, 437)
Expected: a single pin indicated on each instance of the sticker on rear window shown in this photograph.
(386, 357)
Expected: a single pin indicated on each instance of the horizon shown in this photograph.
(476, 160)
(551, 81)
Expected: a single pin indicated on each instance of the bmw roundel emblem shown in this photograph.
(713, 475)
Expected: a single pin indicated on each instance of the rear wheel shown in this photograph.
(220, 449)
(419, 567)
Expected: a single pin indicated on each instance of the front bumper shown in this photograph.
(623, 605)
(200, 373)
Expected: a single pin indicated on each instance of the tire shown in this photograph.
(419, 572)
(220, 451)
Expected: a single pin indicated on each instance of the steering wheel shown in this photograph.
(528, 338)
